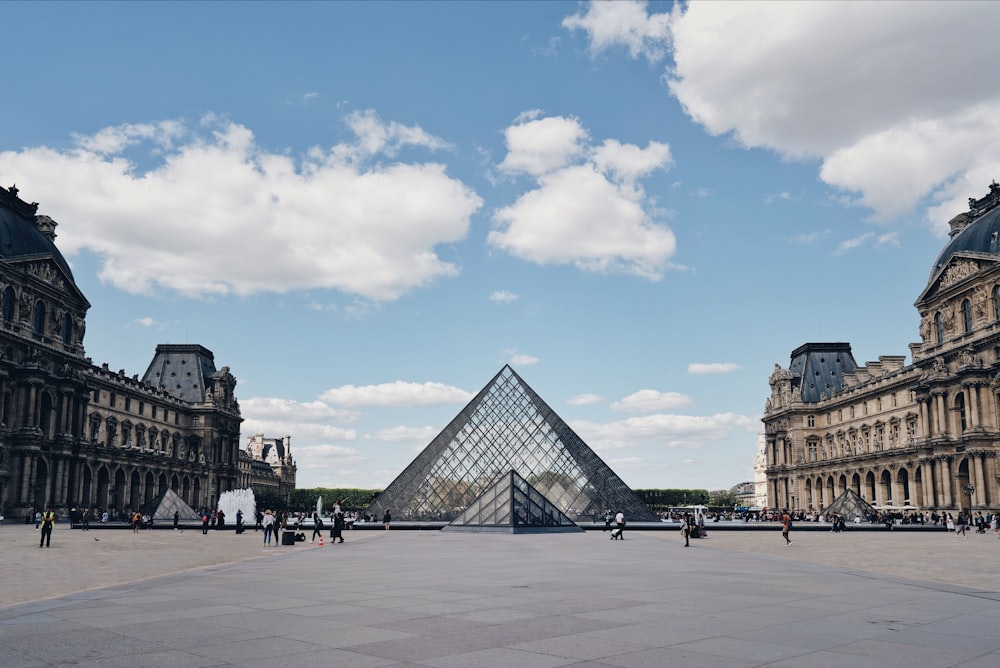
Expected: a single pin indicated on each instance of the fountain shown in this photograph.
(238, 499)
(319, 507)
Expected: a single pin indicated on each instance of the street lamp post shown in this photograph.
(969, 491)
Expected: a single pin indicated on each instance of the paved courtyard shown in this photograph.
(408, 598)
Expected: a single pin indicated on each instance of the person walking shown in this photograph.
(177, 519)
(239, 521)
(686, 529)
(317, 527)
(48, 520)
(386, 519)
(619, 532)
(337, 532)
(268, 523)
(204, 522)
(85, 520)
(786, 526)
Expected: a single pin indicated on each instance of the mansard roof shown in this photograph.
(981, 236)
(27, 236)
(181, 370)
(820, 368)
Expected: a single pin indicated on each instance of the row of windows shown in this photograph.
(893, 401)
(859, 442)
(141, 412)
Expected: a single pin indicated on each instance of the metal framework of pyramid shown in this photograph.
(162, 508)
(849, 504)
(507, 427)
(511, 505)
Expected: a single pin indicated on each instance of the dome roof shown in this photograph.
(981, 236)
(20, 235)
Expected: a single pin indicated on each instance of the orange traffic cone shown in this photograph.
(321, 541)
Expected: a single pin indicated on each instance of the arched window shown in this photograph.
(39, 317)
(960, 407)
(996, 302)
(967, 315)
(10, 300)
(939, 326)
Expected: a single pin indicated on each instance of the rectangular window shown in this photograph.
(153, 410)
(128, 404)
(811, 420)
(142, 407)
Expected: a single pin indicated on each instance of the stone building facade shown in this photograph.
(268, 466)
(76, 434)
(924, 434)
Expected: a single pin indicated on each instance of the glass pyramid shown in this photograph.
(507, 427)
(512, 506)
(163, 506)
(849, 504)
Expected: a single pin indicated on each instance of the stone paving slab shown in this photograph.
(457, 600)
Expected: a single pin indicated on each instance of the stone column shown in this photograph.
(980, 497)
(923, 422)
(928, 480)
(944, 428)
(974, 403)
(946, 497)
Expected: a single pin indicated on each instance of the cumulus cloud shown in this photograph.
(401, 434)
(662, 429)
(503, 296)
(326, 455)
(623, 24)
(698, 368)
(398, 393)
(584, 400)
(587, 209)
(341, 218)
(897, 101)
(274, 408)
(651, 401)
(145, 322)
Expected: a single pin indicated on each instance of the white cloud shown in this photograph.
(651, 401)
(503, 296)
(898, 101)
(697, 368)
(309, 97)
(626, 24)
(851, 244)
(663, 430)
(274, 408)
(145, 322)
(584, 400)
(587, 209)
(324, 455)
(419, 435)
(265, 222)
(778, 197)
(398, 393)
(520, 359)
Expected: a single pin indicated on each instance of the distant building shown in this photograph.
(744, 493)
(269, 467)
(76, 434)
(760, 473)
(925, 434)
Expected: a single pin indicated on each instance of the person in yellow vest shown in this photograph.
(48, 521)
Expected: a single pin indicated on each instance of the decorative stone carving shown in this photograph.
(958, 271)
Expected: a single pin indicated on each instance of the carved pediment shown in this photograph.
(959, 268)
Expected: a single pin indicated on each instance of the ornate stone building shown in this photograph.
(267, 466)
(75, 434)
(924, 434)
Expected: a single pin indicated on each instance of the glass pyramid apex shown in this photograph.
(849, 504)
(505, 427)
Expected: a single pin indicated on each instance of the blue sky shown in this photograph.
(367, 209)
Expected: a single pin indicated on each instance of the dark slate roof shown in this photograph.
(820, 367)
(982, 235)
(182, 370)
(20, 238)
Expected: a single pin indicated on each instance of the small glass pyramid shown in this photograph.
(162, 508)
(512, 506)
(507, 427)
(849, 505)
